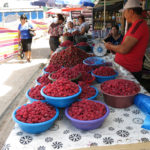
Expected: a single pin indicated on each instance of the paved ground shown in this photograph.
(17, 77)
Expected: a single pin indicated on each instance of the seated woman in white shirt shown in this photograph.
(71, 28)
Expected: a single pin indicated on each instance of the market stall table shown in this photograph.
(122, 126)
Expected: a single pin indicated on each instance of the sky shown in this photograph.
(16, 3)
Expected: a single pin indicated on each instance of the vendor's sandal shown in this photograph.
(28, 60)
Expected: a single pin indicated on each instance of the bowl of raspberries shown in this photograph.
(104, 73)
(67, 73)
(61, 93)
(94, 61)
(119, 93)
(88, 92)
(87, 114)
(34, 94)
(44, 79)
(51, 68)
(35, 117)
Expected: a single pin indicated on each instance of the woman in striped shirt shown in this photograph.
(55, 31)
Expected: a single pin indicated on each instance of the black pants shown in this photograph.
(137, 75)
(26, 44)
(54, 43)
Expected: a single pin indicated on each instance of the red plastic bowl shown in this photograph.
(118, 101)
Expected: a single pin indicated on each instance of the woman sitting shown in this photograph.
(84, 26)
(114, 36)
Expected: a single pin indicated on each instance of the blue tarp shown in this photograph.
(0, 16)
(34, 15)
(40, 14)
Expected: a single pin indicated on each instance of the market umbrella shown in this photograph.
(51, 3)
(45, 1)
(38, 3)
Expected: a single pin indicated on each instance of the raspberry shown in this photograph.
(61, 88)
(44, 79)
(86, 110)
(35, 113)
(82, 67)
(66, 73)
(52, 68)
(35, 92)
(104, 71)
(87, 91)
(69, 57)
(85, 76)
(120, 87)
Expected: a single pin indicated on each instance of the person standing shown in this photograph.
(55, 31)
(24, 37)
(130, 52)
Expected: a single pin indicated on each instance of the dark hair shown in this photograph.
(23, 16)
(60, 17)
(137, 10)
(116, 26)
(82, 17)
(70, 22)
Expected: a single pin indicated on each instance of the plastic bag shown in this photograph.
(146, 124)
(142, 101)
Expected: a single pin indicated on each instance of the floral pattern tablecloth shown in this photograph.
(122, 126)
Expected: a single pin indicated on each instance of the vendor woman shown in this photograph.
(84, 26)
(55, 31)
(130, 52)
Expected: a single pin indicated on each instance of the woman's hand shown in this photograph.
(32, 29)
(108, 45)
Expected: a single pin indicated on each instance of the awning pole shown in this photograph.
(104, 14)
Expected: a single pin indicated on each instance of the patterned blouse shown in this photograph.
(55, 29)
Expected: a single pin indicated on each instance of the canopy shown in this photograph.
(107, 2)
(71, 9)
(75, 2)
(56, 11)
(53, 3)
(116, 6)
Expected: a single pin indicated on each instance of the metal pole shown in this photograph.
(104, 14)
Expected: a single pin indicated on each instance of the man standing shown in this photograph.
(130, 52)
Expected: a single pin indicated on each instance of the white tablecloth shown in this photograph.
(122, 126)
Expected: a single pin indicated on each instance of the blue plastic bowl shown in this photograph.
(93, 97)
(101, 79)
(37, 83)
(32, 99)
(61, 102)
(45, 72)
(35, 128)
(96, 61)
(90, 124)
